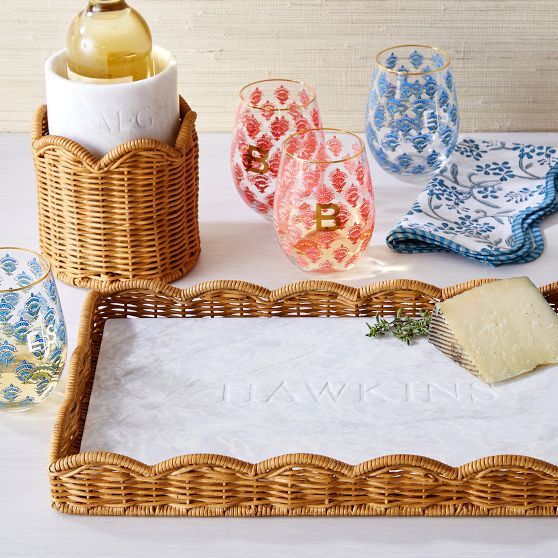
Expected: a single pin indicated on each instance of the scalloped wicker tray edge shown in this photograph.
(102, 483)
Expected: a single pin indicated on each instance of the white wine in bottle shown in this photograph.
(109, 42)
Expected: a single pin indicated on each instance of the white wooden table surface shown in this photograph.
(237, 244)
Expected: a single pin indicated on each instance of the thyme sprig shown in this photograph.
(403, 327)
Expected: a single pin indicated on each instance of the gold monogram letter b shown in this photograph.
(257, 156)
(321, 217)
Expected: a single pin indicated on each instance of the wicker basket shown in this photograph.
(131, 215)
(102, 483)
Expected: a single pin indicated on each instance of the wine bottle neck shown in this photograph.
(106, 5)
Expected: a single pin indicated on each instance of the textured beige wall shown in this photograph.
(505, 52)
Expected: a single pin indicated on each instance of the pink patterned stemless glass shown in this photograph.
(324, 204)
(268, 112)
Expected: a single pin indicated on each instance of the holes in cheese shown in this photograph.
(498, 330)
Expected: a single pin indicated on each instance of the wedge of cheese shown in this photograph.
(498, 330)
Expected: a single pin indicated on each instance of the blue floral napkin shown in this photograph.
(487, 204)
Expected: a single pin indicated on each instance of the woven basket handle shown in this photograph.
(39, 126)
(186, 132)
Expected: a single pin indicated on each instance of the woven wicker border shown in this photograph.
(131, 215)
(102, 483)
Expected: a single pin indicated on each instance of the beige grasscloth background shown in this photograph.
(505, 53)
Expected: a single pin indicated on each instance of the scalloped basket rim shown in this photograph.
(290, 461)
(112, 158)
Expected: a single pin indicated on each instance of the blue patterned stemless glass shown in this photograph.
(32, 330)
(412, 121)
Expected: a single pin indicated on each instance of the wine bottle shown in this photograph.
(109, 42)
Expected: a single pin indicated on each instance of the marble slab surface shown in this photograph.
(254, 388)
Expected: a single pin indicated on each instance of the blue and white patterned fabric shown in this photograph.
(487, 204)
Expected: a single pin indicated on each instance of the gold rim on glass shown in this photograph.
(40, 256)
(339, 130)
(304, 84)
(436, 49)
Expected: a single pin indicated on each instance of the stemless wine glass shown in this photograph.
(268, 111)
(324, 205)
(32, 330)
(412, 121)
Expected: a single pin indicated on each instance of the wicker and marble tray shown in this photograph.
(103, 483)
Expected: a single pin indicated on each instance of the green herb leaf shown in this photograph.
(381, 327)
(402, 327)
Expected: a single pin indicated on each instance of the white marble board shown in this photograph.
(254, 388)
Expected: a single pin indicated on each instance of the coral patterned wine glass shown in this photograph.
(412, 120)
(32, 329)
(324, 204)
(268, 112)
